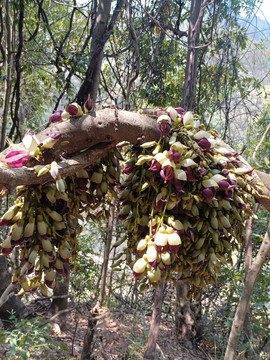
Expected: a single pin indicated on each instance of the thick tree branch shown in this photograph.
(89, 138)
(95, 135)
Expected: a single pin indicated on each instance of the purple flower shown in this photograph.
(209, 193)
(88, 104)
(128, 169)
(160, 201)
(228, 195)
(204, 144)
(72, 109)
(225, 185)
(164, 128)
(203, 171)
(56, 135)
(56, 117)
(167, 173)
(174, 155)
(155, 165)
(190, 233)
(190, 174)
(180, 110)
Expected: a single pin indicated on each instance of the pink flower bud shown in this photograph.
(88, 104)
(209, 193)
(72, 109)
(56, 117)
(204, 144)
(128, 169)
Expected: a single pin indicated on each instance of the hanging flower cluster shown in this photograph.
(45, 219)
(184, 202)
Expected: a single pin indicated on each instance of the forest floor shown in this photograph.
(120, 334)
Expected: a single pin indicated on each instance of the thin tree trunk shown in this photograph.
(243, 305)
(195, 22)
(184, 317)
(248, 263)
(155, 322)
(60, 302)
(106, 256)
(8, 82)
(89, 337)
(101, 33)
(110, 283)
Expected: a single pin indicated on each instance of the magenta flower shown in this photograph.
(164, 128)
(4, 222)
(155, 165)
(167, 173)
(203, 171)
(209, 193)
(160, 202)
(180, 110)
(16, 158)
(164, 124)
(228, 195)
(88, 104)
(204, 144)
(128, 169)
(72, 109)
(174, 155)
(225, 185)
(56, 117)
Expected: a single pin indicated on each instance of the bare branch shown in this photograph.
(257, 148)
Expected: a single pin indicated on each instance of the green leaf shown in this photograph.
(24, 354)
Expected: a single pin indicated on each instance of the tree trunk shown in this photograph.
(89, 336)
(101, 33)
(106, 256)
(243, 305)
(184, 317)
(195, 22)
(248, 263)
(60, 300)
(8, 82)
(14, 303)
(155, 322)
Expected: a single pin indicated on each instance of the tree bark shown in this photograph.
(106, 256)
(13, 303)
(101, 33)
(60, 300)
(89, 336)
(150, 350)
(248, 263)
(8, 82)
(195, 22)
(184, 317)
(243, 305)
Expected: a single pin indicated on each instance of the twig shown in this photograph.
(257, 148)
(56, 315)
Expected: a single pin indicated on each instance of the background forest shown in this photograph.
(132, 55)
